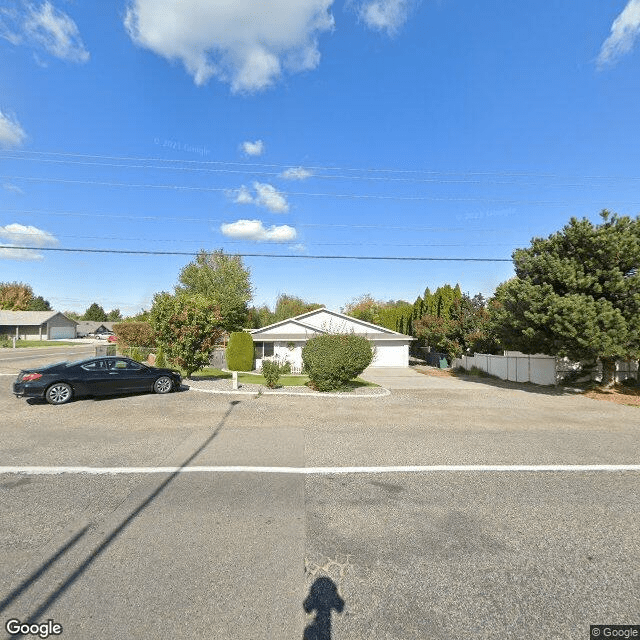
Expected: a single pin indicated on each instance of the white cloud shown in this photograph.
(253, 148)
(385, 15)
(254, 230)
(13, 188)
(266, 195)
(296, 173)
(299, 247)
(246, 43)
(11, 133)
(243, 196)
(47, 27)
(624, 31)
(19, 236)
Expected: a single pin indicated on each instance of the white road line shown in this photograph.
(43, 355)
(471, 468)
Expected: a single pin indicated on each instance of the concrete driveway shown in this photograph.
(409, 378)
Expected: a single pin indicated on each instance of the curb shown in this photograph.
(385, 392)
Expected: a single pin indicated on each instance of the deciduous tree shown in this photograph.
(187, 328)
(223, 280)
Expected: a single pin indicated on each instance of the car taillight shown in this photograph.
(31, 376)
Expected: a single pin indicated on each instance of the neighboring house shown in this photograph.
(85, 327)
(284, 340)
(37, 325)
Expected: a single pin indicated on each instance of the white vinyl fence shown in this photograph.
(539, 369)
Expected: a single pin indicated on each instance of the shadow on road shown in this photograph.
(86, 563)
(323, 598)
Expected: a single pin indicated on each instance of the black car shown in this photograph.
(60, 382)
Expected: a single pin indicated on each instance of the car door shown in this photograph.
(127, 375)
(95, 377)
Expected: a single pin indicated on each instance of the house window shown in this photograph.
(268, 349)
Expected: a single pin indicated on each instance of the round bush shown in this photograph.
(334, 359)
(239, 352)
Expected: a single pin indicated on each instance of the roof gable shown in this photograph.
(290, 326)
(324, 320)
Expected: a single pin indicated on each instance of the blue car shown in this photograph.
(108, 375)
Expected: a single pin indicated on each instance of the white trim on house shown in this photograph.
(289, 336)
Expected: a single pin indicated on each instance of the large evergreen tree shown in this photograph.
(95, 313)
(576, 294)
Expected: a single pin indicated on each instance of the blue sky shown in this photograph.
(392, 128)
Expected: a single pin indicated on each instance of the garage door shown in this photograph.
(391, 356)
(60, 333)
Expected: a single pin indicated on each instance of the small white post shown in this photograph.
(234, 375)
(14, 342)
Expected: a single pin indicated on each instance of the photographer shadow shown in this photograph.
(323, 598)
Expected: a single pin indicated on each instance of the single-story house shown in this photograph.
(85, 327)
(37, 325)
(284, 340)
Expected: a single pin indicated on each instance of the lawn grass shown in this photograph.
(42, 343)
(256, 378)
(207, 372)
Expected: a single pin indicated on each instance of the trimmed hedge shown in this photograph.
(239, 352)
(334, 359)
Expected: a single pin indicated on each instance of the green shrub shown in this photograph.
(136, 355)
(334, 359)
(161, 361)
(5, 341)
(271, 372)
(140, 334)
(239, 352)
(285, 368)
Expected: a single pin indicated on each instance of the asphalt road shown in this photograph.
(239, 553)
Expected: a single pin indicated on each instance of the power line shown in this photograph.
(353, 196)
(256, 255)
(324, 176)
(219, 220)
(325, 167)
(27, 235)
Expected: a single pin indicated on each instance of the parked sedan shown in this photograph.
(60, 382)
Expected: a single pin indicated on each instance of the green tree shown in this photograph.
(187, 328)
(289, 306)
(575, 294)
(364, 307)
(465, 328)
(95, 313)
(222, 279)
(258, 317)
(114, 315)
(38, 303)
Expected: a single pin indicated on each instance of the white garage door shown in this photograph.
(60, 333)
(391, 355)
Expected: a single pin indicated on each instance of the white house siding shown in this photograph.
(389, 353)
(332, 324)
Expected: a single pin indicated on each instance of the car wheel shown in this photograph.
(59, 393)
(164, 384)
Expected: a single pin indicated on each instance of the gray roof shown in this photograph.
(28, 318)
(300, 337)
(89, 326)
